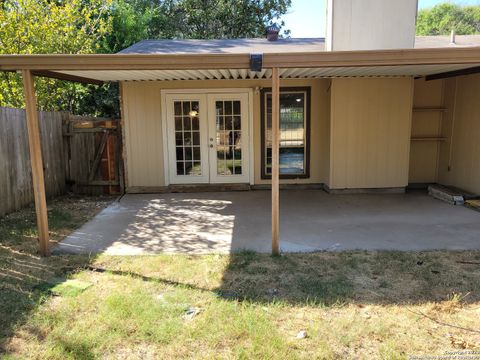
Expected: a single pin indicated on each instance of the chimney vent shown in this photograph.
(452, 36)
(272, 32)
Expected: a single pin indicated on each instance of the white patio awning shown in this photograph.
(204, 66)
(244, 74)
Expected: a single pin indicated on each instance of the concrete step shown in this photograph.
(444, 193)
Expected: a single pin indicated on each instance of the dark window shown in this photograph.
(294, 133)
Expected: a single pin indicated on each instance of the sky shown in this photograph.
(306, 18)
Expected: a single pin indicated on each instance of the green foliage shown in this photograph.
(99, 101)
(129, 25)
(49, 27)
(443, 18)
(216, 19)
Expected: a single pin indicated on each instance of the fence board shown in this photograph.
(15, 172)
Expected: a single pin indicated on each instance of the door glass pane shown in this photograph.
(178, 108)
(178, 138)
(196, 170)
(187, 138)
(178, 123)
(196, 153)
(228, 137)
(228, 107)
(196, 139)
(195, 123)
(236, 108)
(292, 133)
(188, 153)
(186, 107)
(237, 122)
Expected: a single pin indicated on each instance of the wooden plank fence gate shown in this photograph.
(92, 155)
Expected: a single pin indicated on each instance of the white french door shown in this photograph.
(228, 138)
(208, 137)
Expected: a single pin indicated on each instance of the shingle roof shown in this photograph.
(242, 46)
(226, 46)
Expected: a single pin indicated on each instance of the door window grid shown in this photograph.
(228, 137)
(187, 138)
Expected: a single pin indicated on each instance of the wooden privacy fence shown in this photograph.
(80, 154)
(16, 188)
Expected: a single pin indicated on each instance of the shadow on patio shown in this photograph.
(239, 223)
(311, 220)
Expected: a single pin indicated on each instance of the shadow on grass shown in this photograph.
(25, 276)
(299, 280)
(25, 283)
(361, 277)
(338, 278)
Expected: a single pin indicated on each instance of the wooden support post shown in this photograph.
(275, 161)
(34, 144)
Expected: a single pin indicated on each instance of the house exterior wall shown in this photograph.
(370, 132)
(141, 103)
(459, 163)
(427, 119)
(370, 24)
(143, 144)
(360, 130)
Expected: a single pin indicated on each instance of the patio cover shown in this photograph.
(95, 68)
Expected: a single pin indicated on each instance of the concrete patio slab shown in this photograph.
(311, 220)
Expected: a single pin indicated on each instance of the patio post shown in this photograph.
(34, 144)
(275, 160)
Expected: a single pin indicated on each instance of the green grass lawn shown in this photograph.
(367, 305)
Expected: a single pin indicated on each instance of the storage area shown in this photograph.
(426, 135)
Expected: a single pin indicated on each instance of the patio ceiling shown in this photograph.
(243, 74)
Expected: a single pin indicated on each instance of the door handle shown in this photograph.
(211, 145)
(211, 139)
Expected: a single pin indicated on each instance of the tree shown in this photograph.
(88, 26)
(443, 18)
(228, 19)
(49, 27)
(130, 24)
(134, 20)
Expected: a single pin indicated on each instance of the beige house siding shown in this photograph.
(143, 135)
(424, 155)
(370, 132)
(368, 121)
(141, 102)
(460, 155)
